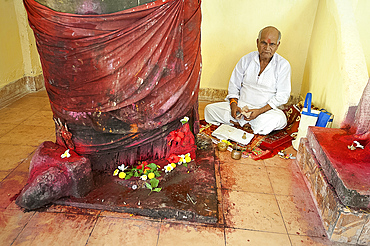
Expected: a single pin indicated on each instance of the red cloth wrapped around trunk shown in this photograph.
(121, 82)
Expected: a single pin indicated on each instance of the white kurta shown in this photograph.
(271, 87)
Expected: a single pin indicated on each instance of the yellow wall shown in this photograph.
(326, 42)
(19, 56)
(230, 29)
(362, 10)
(11, 60)
(335, 71)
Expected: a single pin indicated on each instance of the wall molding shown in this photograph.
(19, 88)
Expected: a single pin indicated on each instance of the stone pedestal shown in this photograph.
(342, 223)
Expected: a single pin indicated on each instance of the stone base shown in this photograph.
(52, 177)
(348, 171)
(187, 193)
(341, 223)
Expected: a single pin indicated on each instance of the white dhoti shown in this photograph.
(274, 119)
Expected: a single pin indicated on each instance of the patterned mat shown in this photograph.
(263, 146)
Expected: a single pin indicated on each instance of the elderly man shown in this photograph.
(259, 84)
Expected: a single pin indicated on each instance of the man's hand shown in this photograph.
(254, 113)
(235, 110)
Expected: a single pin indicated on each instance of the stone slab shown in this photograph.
(187, 193)
(342, 224)
(348, 171)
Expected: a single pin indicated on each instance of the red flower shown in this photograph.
(173, 158)
(176, 136)
(145, 166)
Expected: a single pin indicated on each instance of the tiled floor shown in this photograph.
(262, 202)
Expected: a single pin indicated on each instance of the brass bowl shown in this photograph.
(236, 154)
(222, 146)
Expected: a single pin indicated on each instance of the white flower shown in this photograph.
(184, 120)
(182, 159)
(122, 167)
(168, 168)
(66, 154)
(143, 177)
(134, 187)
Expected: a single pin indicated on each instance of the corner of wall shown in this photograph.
(335, 71)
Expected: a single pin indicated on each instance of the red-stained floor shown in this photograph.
(262, 202)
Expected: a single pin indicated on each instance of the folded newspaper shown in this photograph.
(229, 132)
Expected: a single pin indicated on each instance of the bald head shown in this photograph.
(268, 42)
(269, 29)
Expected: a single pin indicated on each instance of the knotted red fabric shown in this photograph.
(121, 82)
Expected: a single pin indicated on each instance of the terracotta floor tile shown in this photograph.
(244, 177)
(237, 237)
(13, 206)
(41, 118)
(57, 229)
(40, 93)
(11, 224)
(300, 215)
(190, 235)
(225, 157)
(28, 135)
(15, 116)
(255, 211)
(24, 166)
(276, 161)
(286, 181)
(310, 241)
(3, 175)
(249, 207)
(12, 155)
(117, 231)
(11, 186)
(27, 102)
(5, 128)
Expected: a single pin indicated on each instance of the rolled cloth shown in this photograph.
(121, 82)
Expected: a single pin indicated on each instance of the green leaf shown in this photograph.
(185, 164)
(128, 176)
(148, 186)
(157, 189)
(154, 182)
(152, 166)
(136, 174)
(157, 173)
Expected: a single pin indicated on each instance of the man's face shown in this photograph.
(268, 45)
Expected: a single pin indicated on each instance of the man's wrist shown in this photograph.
(233, 100)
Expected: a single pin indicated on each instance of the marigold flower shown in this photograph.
(115, 173)
(122, 175)
(151, 175)
(187, 158)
